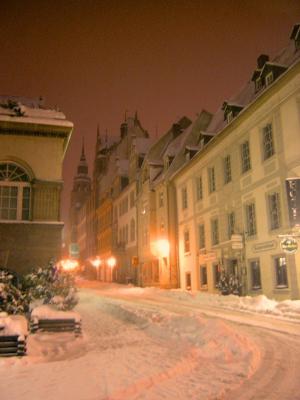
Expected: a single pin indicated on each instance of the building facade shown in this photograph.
(233, 206)
(30, 183)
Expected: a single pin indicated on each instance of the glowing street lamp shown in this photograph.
(160, 248)
(111, 262)
(68, 264)
(96, 262)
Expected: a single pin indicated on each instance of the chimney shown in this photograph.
(262, 59)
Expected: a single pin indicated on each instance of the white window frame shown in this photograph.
(245, 156)
(268, 141)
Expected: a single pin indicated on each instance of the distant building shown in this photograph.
(80, 194)
(33, 142)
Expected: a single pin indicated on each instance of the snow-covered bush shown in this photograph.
(229, 284)
(12, 299)
(52, 286)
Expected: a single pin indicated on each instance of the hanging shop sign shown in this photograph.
(289, 245)
(293, 197)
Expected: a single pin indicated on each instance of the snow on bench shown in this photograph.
(13, 335)
(47, 319)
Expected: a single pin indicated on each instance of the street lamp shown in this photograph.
(68, 264)
(96, 262)
(111, 262)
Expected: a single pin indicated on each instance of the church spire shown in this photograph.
(82, 158)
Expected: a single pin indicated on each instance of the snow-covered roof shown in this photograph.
(30, 111)
(247, 95)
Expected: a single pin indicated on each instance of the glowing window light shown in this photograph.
(68, 264)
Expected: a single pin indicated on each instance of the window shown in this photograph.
(216, 274)
(269, 78)
(199, 191)
(15, 192)
(214, 231)
(132, 230)
(161, 199)
(229, 116)
(126, 234)
(188, 281)
(230, 224)
(211, 180)
(203, 275)
(131, 199)
(186, 241)
(268, 144)
(274, 210)
(227, 169)
(245, 156)
(258, 84)
(184, 198)
(250, 219)
(281, 272)
(255, 274)
(201, 232)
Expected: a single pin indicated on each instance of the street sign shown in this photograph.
(74, 250)
(289, 245)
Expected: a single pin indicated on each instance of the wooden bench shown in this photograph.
(55, 325)
(12, 345)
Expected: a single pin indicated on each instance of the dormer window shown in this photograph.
(258, 84)
(269, 78)
(229, 116)
(231, 111)
(295, 35)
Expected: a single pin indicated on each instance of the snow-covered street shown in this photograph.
(157, 344)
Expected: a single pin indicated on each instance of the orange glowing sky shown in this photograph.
(165, 59)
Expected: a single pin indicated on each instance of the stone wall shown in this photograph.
(29, 245)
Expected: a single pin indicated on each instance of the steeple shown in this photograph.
(82, 168)
(82, 158)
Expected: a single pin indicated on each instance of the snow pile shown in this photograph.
(13, 325)
(288, 309)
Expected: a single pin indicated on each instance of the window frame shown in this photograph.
(245, 156)
(186, 241)
(21, 182)
(255, 284)
(203, 276)
(227, 169)
(184, 198)
(250, 219)
(215, 234)
(199, 188)
(211, 179)
(268, 141)
(280, 285)
(274, 223)
(201, 236)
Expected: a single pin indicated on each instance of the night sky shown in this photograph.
(165, 59)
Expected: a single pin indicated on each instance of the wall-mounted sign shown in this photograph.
(208, 257)
(264, 246)
(293, 197)
(74, 250)
(289, 245)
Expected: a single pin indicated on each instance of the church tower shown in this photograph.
(79, 195)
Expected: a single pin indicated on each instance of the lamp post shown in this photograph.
(96, 262)
(111, 262)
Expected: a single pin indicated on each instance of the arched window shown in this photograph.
(14, 192)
